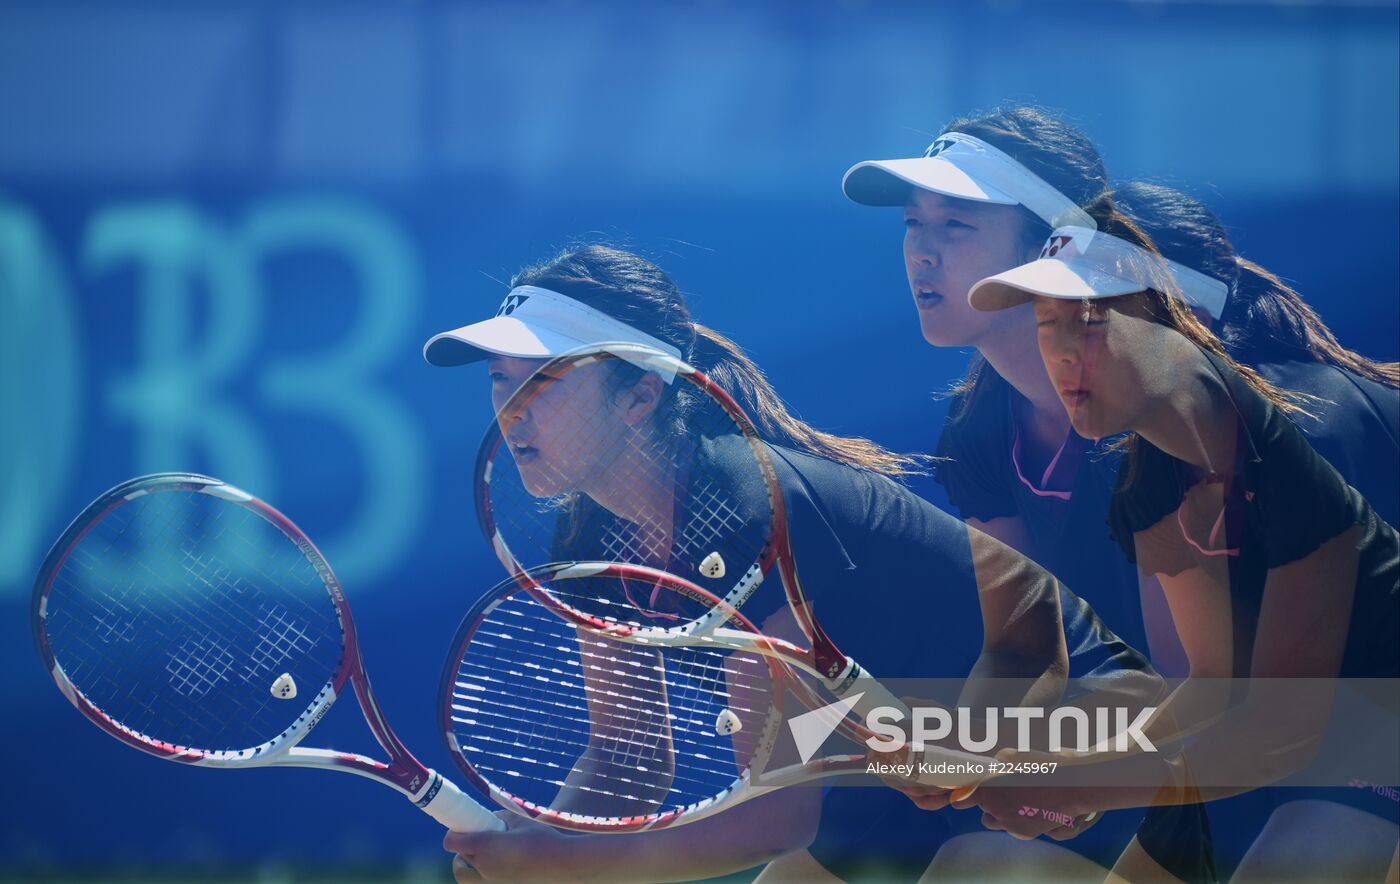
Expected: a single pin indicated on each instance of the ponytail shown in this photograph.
(728, 366)
(1266, 320)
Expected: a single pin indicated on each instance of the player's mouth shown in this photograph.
(926, 298)
(523, 453)
(1074, 396)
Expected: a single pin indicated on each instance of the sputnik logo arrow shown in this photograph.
(810, 729)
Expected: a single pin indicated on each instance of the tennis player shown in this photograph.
(981, 200)
(1272, 565)
(875, 559)
(1351, 419)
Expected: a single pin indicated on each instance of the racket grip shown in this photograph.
(458, 811)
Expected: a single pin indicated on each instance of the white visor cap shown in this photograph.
(962, 167)
(536, 323)
(1082, 264)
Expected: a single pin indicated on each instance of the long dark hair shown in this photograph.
(635, 291)
(1055, 151)
(1264, 320)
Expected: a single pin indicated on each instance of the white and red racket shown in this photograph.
(196, 623)
(607, 697)
(691, 488)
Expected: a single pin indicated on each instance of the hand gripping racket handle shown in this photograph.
(966, 792)
(458, 811)
(855, 681)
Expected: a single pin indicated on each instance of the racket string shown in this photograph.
(514, 644)
(493, 671)
(534, 695)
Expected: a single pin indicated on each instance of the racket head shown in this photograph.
(173, 606)
(559, 444)
(547, 669)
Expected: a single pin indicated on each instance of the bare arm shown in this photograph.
(1163, 643)
(629, 732)
(1023, 633)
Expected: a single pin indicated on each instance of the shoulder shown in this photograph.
(834, 486)
(1345, 406)
(1301, 499)
(732, 457)
(866, 511)
(1332, 382)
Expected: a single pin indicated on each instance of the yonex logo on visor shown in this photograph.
(1057, 244)
(512, 301)
(938, 147)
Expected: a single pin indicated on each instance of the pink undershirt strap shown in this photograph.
(1041, 491)
(1214, 533)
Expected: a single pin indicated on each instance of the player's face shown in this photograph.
(566, 435)
(949, 245)
(1104, 359)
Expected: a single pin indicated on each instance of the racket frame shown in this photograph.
(403, 772)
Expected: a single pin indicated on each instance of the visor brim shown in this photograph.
(1072, 280)
(888, 182)
(498, 336)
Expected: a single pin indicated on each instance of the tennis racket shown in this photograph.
(716, 515)
(607, 697)
(194, 622)
(706, 503)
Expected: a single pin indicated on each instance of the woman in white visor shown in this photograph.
(1352, 420)
(867, 548)
(980, 201)
(1273, 567)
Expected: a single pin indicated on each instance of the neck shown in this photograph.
(1195, 421)
(640, 490)
(1038, 410)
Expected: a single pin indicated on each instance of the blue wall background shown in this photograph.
(226, 230)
